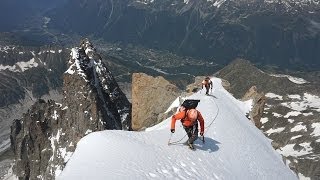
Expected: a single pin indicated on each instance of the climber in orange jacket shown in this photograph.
(189, 119)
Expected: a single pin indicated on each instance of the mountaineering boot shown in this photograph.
(190, 145)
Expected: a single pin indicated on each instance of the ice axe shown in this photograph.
(169, 140)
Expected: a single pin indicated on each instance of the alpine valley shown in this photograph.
(69, 68)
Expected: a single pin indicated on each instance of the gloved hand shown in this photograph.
(201, 133)
(172, 130)
(211, 88)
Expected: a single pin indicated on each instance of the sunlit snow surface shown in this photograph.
(233, 149)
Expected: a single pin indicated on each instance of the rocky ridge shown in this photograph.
(291, 114)
(44, 139)
(258, 105)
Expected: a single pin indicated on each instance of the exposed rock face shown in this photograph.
(46, 137)
(107, 97)
(258, 104)
(34, 141)
(150, 98)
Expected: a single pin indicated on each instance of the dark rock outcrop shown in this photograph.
(27, 73)
(45, 138)
(34, 141)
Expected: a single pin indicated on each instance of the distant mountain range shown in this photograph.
(179, 40)
(283, 34)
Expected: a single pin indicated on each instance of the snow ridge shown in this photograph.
(233, 147)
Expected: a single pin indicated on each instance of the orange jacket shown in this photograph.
(186, 122)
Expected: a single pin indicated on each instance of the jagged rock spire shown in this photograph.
(45, 138)
(88, 65)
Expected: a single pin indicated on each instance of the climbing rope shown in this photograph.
(205, 129)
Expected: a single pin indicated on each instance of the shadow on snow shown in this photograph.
(209, 144)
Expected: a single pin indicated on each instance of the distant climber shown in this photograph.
(207, 83)
(189, 117)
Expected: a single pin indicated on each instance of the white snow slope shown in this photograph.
(234, 149)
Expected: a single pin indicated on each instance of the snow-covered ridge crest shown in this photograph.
(233, 145)
(83, 57)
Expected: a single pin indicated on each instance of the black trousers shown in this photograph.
(192, 132)
(207, 89)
